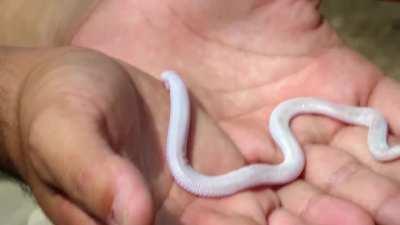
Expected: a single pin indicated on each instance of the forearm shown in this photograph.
(41, 22)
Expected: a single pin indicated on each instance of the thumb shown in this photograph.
(68, 151)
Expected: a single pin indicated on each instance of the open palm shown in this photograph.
(240, 59)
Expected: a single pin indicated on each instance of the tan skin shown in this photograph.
(91, 145)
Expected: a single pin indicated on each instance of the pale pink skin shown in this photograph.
(240, 59)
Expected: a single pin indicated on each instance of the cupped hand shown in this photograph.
(91, 134)
(240, 59)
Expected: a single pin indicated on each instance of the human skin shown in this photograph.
(85, 140)
(240, 59)
(41, 23)
(238, 82)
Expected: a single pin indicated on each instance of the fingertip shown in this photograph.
(330, 211)
(132, 203)
(283, 217)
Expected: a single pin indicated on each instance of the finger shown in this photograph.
(386, 99)
(310, 203)
(252, 208)
(284, 217)
(72, 154)
(209, 216)
(341, 175)
(59, 209)
(255, 204)
(353, 140)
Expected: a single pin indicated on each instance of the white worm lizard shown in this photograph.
(263, 174)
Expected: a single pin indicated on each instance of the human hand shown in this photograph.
(88, 137)
(241, 59)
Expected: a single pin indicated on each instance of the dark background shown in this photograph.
(370, 26)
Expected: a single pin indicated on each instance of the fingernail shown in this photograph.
(389, 213)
